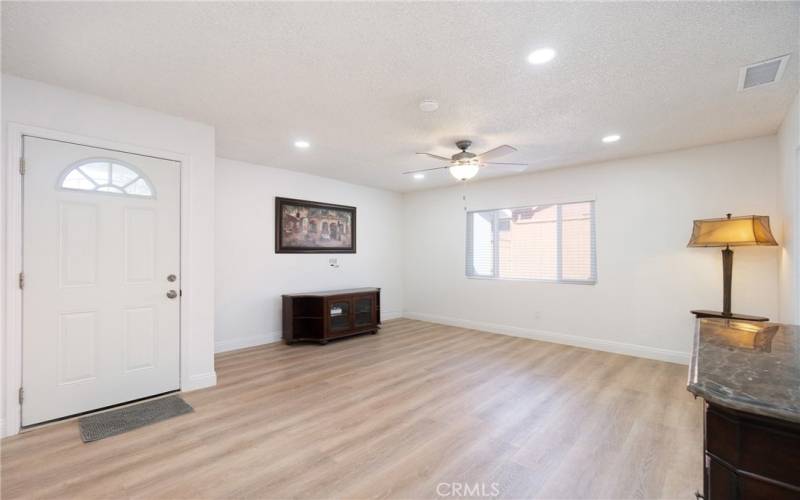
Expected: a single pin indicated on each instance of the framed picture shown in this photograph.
(303, 226)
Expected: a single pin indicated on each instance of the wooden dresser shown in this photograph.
(749, 375)
(323, 316)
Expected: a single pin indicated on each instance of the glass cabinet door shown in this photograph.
(363, 311)
(339, 315)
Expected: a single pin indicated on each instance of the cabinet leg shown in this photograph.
(323, 342)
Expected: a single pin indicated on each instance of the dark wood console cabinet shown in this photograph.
(323, 316)
(750, 457)
(749, 376)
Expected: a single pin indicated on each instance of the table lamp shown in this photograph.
(729, 232)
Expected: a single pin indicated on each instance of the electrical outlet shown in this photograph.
(333, 262)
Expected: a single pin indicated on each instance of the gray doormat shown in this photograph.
(111, 423)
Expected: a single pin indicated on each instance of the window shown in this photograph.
(106, 176)
(542, 242)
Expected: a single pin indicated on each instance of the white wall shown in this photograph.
(40, 105)
(648, 279)
(251, 277)
(789, 192)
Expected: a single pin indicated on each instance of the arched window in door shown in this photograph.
(106, 176)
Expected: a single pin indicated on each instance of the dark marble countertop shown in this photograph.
(747, 366)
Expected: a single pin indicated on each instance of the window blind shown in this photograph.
(540, 242)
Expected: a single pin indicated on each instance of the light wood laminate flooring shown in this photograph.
(409, 413)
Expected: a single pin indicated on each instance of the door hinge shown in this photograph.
(21, 281)
(22, 166)
(21, 395)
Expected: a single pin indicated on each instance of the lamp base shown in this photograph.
(702, 313)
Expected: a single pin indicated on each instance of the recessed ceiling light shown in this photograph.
(419, 176)
(541, 56)
(428, 105)
(302, 144)
(611, 138)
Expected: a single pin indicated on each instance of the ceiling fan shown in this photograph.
(465, 165)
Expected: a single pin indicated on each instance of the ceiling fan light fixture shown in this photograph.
(465, 164)
(464, 171)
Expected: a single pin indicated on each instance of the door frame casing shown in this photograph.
(12, 369)
(795, 289)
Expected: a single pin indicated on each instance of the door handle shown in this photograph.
(172, 294)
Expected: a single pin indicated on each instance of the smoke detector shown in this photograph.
(762, 73)
(428, 105)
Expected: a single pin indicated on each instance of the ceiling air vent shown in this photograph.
(762, 73)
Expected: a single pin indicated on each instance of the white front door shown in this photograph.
(101, 255)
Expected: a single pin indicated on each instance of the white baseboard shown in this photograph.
(387, 315)
(560, 338)
(199, 381)
(244, 342)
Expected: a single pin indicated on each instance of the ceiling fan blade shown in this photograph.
(514, 167)
(437, 157)
(497, 152)
(503, 163)
(426, 170)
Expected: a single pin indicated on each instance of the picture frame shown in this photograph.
(304, 226)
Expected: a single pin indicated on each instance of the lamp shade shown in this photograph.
(732, 231)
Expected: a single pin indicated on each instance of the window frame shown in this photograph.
(111, 161)
(559, 267)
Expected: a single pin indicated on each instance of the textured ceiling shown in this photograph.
(348, 76)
